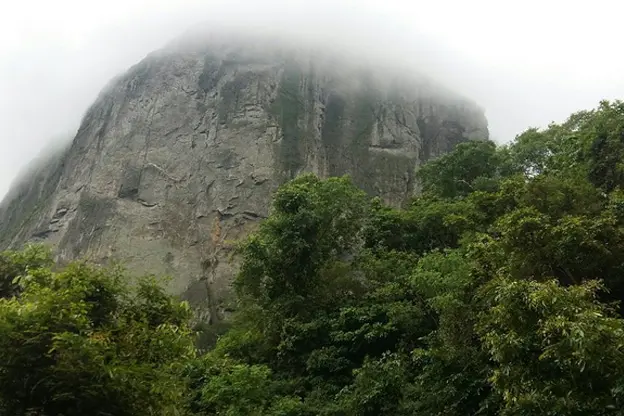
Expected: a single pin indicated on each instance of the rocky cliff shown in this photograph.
(178, 157)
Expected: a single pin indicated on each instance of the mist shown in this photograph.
(526, 65)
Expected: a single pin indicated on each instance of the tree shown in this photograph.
(79, 341)
(227, 387)
(17, 263)
(405, 312)
(557, 350)
(470, 166)
(314, 223)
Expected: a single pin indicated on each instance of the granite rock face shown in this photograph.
(178, 157)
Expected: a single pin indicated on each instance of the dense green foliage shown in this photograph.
(498, 291)
(81, 342)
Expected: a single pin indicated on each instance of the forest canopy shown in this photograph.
(497, 291)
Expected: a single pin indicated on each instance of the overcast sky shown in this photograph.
(526, 64)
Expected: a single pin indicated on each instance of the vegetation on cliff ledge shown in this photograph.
(496, 292)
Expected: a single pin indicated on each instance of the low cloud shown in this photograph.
(526, 65)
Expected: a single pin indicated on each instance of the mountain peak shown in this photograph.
(178, 157)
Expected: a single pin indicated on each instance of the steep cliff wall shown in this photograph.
(178, 157)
